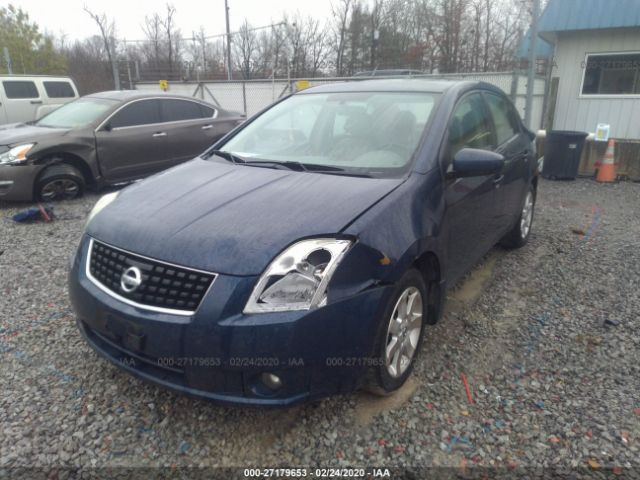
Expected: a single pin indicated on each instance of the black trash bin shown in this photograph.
(562, 152)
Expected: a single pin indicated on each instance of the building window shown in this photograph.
(612, 74)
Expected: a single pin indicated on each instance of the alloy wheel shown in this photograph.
(403, 332)
(527, 216)
(62, 188)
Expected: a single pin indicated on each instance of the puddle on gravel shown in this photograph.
(368, 406)
(465, 295)
(470, 290)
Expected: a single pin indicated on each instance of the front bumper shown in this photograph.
(17, 181)
(220, 354)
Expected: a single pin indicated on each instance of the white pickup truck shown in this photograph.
(24, 98)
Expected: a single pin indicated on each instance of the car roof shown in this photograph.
(400, 85)
(390, 72)
(19, 76)
(126, 95)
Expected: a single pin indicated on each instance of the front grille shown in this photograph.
(164, 287)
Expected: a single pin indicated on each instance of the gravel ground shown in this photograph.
(553, 384)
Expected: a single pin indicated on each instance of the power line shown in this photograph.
(210, 37)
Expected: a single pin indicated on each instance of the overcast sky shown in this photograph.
(68, 16)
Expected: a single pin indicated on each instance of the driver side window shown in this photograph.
(469, 126)
(137, 113)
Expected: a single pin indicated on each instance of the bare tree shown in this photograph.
(341, 12)
(88, 65)
(278, 46)
(108, 32)
(245, 45)
(152, 29)
(431, 35)
(487, 33)
(172, 36)
(317, 37)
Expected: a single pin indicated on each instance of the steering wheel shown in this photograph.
(346, 147)
(396, 148)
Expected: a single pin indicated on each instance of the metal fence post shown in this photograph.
(244, 96)
(533, 56)
(515, 81)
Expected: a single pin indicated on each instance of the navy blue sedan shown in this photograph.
(304, 254)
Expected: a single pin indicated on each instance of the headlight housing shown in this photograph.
(297, 279)
(102, 203)
(16, 155)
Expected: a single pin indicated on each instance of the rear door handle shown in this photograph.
(159, 134)
(207, 127)
(36, 102)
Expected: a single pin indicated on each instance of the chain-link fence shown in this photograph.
(251, 96)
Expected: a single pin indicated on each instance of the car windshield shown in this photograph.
(365, 133)
(80, 113)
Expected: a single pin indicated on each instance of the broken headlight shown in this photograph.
(298, 278)
(16, 155)
(102, 202)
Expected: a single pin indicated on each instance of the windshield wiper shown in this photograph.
(230, 157)
(288, 164)
(237, 159)
(313, 167)
(330, 169)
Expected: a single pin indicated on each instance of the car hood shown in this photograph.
(231, 219)
(16, 133)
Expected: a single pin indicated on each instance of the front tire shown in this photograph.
(60, 182)
(519, 234)
(400, 335)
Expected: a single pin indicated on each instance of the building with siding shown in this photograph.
(596, 67)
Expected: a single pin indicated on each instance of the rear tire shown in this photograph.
(400, 335)
(60, 182)
(519, 234)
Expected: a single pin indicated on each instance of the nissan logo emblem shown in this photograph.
(131, 279)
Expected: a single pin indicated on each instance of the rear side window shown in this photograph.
(176, 110)
(503, 118)
(59, 89)
(20, 89)
(142, 112)
(206, 111)
(469, 127)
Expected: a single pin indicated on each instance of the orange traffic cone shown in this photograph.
(607, 170)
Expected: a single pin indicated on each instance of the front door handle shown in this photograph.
(207, 127)
(159, 134)
(36, 102)
(498, 179)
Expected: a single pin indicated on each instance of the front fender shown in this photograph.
(80, 149)
(399, 230)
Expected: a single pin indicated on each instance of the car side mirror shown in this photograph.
(471, 162)
(107, 127)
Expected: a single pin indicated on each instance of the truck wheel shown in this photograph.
(400, 335)
(519, 234)
(60, 182)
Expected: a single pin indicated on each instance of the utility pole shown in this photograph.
(226, 11)
(375, 37)
(129, 75)
(533, 46)
(7, 59)
(126, 48)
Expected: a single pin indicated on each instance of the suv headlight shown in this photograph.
(102, 203)
(297, 279)
(16, 154)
